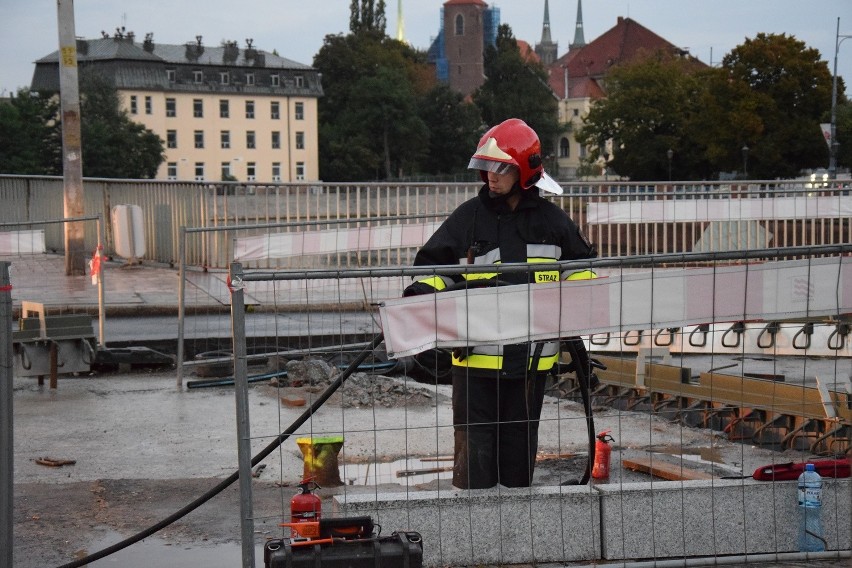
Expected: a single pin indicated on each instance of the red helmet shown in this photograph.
(512, 143)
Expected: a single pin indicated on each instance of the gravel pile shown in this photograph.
(360, 389)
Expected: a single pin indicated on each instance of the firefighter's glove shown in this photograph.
(461, 353)
(417, 289)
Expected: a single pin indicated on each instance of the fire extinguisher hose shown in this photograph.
(353, 366)
(583, 368)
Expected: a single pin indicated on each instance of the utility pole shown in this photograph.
(72, 153)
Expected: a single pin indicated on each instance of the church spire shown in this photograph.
(400, 22)
(579, 39)
(545, 29)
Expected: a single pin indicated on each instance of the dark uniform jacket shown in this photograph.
(483, 230)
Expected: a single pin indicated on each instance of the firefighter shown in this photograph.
(497, 395)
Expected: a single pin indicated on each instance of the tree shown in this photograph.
(454, 129)
(367, 17)
(368, 117)
(113, 145)
(30, 138)
(797, 89)
(515, 88)
(648, 110)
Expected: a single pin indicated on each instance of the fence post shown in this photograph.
(238, 330)
(6, 433)
(181, 303)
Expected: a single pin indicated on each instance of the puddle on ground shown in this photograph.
(154, 552)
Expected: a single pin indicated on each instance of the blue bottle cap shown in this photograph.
(810, 467)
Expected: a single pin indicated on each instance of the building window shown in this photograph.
(459, 24)
(276, 171)
(300, 111)
(224, 77)
(198, 77)
(171, 138)
(249, 109)
(171, 107)
(197, 108)
(275, 110)
(225, 137)
(582, 151)
(199, 139)
(134, 108)
(564, 148)
(224, 108)
(149, 105)
(300, 170)
(275, 80)
(199, 171)
(276, 139)
(171, 171)
(249, 78)
(251, 174)
(250, 139)
(300, 140)
(300, 81)
(226, 171)
(576, 112)
(171, 75)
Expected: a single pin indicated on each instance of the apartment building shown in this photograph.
(223, 112)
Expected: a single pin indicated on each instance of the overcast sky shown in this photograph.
(296, 28)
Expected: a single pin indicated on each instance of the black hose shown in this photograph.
(582, 366)
(353, 366)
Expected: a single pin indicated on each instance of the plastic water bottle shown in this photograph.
(810, 510)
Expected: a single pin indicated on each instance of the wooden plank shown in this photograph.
(664, 470)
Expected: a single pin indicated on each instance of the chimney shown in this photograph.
(82, 47)
(148, 44)
(231, 52)
(194, 50)
(250, 52)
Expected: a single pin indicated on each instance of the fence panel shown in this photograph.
(689, 429)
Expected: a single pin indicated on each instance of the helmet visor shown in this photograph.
(477, 163)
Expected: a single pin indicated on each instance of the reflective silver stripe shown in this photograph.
(544, 251)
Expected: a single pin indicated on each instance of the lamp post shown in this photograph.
(745, 161)
(832, 149)
(670, 155)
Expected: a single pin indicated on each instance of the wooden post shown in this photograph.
(72, 154)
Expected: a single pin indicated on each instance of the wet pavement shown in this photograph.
(141, 426)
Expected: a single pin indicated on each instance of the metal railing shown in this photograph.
(620, 218)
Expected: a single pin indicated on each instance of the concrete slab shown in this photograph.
(489, 526)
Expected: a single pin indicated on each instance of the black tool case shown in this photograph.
(399, 550)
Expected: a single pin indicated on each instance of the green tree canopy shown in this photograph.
(30, 137)
(369, 122)
(113, 145)
(797, 88)
(515, 88)
(454, 130)
(769, 95)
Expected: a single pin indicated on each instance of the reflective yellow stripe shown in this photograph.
(496, 362)
(582, 275)
(435, 282)
(480, 276)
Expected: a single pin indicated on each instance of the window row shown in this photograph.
(225, 139)
(228, 77)
(134, 105)
(226, 172)
(225, 108)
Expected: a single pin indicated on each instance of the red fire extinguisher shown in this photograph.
(305, 507)
(600, 469)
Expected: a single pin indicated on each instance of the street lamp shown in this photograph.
(832, 149)
(670, 154)
(745, 161)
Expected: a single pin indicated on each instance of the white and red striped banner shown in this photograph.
(706, 210)
(773, 291)
(283, 245)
